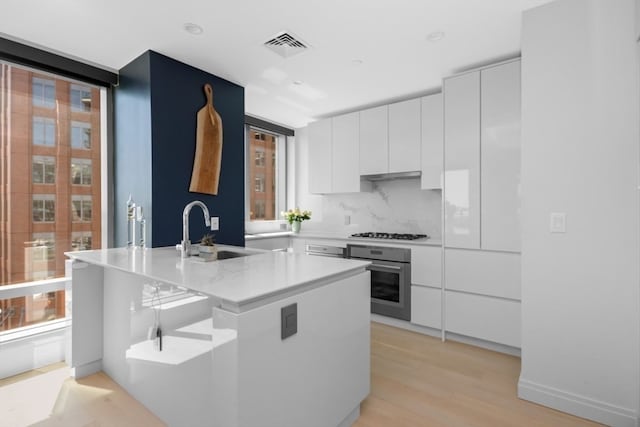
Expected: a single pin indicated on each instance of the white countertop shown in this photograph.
(236, 282)
(343, 236)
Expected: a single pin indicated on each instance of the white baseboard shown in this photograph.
(351, 418)
(32, 352)
(87, 369)
(580, 406)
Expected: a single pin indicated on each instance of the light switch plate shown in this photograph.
(215, 223)
(558, 222)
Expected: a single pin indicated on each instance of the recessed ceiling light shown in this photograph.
(297, 82)
(194, 29)
(357, 61)
(435, 36)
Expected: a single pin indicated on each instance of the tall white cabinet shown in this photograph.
(482, 204)
(374, 140)
(320, 156)
(482, 159)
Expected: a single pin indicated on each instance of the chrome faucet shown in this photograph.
(185, 246)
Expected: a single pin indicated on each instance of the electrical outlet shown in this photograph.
(558, 222)
(215, 223)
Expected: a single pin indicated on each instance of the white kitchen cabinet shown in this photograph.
(426, 306)
(345, 153)
(462, 161)
(404, 136)
(374, 140)
(500, 158)
(432, 141)
(483, 272)
(426, 266)
(334, 155)
(487, 318)
(320, 157)
(297, 244)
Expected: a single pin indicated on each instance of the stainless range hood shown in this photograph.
(389, 176)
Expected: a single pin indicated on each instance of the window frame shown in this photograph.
(44, 122)
(83, 199)
(43, 161)
(38, 197)
(85, 164)
(41, 100)
(82, 126)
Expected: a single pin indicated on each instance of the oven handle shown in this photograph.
(392, 267)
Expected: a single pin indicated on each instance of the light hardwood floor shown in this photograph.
(416, 381)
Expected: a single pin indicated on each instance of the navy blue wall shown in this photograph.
(176, 95)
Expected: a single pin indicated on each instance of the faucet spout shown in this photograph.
(185, 246)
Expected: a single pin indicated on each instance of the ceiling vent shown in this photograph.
(286, 44)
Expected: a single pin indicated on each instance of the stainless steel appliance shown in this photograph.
(389, 236)
(325, 250)
(390, 278)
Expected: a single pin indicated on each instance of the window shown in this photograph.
(266, 175)
(81, 240)
(43, 92)
(80, 98)
(43, 170)
(42, 247)
(81, 207)
(44, 131)
(259, 184)
(81, 171)
(258, 209)
(259, 157)
(81, 135)
(38, 221)
(43, 208)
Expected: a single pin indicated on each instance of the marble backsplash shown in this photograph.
(395, 206)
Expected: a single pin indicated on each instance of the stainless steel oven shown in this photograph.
(390, 278)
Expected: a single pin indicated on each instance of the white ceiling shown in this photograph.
(389, 37)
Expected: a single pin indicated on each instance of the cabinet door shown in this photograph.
(432, 141)
(483, 272)
(426, 266)
(319, 167)
(374, 141)
(462, 161)
(404, 136)
(486, 318)
(500, 159)
(346, 149)
(426, 306)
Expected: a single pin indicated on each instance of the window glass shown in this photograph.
(81, 171)
(50, 199)
(81, 208)
(43, 170)
(44, 131)
(266, 188)
(81, 135)
(44, 92)
(43, 208)
(80, 98)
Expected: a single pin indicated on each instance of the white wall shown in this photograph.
(397, 206)
(580, 135)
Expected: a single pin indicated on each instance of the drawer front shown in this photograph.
(486, 318)
(426, 266)
(481, 272)
(426, 306)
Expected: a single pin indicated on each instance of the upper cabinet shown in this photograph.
(374, 140)
(404, 136)
(482, 159)
(462, 160)
(320, 156)
(346, 153)
(432, 141)
(334, 154)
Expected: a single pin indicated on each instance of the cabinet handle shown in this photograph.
(392, 267)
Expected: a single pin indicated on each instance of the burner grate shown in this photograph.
(390, 236)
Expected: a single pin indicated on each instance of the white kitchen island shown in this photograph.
(224, 360)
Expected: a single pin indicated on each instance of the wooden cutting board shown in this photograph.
(208, 158)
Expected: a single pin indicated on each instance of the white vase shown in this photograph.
(295, 226)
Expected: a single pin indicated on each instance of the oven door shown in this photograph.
(391, 289)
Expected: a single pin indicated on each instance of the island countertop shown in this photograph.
(237, 282)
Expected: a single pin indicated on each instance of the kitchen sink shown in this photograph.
(229, 254)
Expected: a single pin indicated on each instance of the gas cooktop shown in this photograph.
(390, 236)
